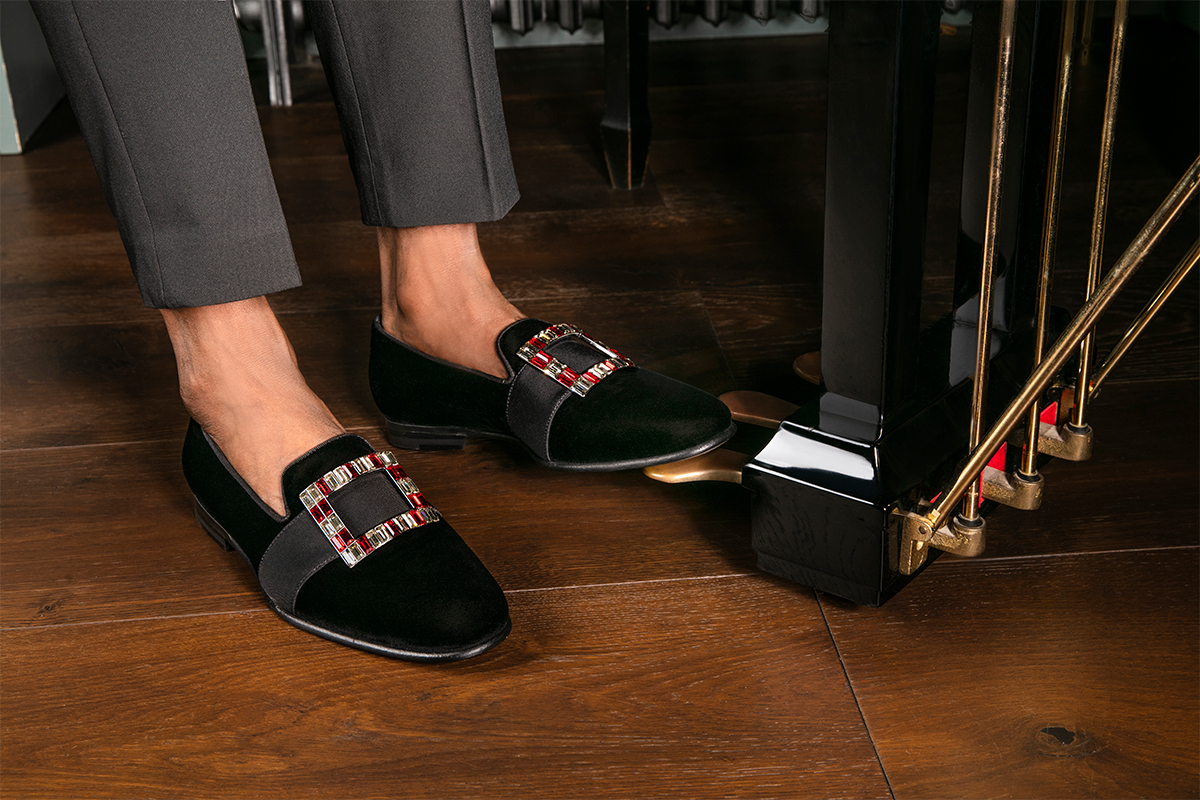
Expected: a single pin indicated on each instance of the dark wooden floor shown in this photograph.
(648, 657)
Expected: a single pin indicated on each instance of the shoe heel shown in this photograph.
(411, 438)
(212, 527)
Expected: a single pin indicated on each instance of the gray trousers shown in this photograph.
(162, 96)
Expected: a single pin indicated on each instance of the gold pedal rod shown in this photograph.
(1078, 425)
(919, 526)
(1027, 483)
(1165, 291)
(968, 516)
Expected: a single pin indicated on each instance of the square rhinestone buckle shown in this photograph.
(534, 353)
(354, 549)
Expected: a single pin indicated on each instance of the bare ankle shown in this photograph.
(239, 380)
(438, 294)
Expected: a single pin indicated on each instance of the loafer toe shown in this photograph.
(635, 418)
(426, 598)
(361, 558)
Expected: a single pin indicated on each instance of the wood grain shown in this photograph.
(762, 330)
(706, 688)
(1146, 464)
(1069, 676)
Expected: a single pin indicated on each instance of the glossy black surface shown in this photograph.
(882, 66)
(820, 513)
(625, 129)
(892, 423)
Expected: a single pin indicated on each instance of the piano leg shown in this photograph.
(893, 418)
(625, 129)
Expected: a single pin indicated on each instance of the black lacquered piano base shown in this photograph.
(838, 545)
(821, 511)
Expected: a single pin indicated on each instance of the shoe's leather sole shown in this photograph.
(227, 543)
(423, 437)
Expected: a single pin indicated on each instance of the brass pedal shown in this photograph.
(757, 408)
(715, 465)
(752, 408)
(808, 367)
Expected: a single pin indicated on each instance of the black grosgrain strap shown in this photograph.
(376, 503)
(532, 403)
(559, 361)
(297, 553)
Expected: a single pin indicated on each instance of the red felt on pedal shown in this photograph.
(999, 457)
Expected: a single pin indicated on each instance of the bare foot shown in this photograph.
(438, 295)
(239, 379)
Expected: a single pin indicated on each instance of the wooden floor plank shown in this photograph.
(1067, 677)
(710, 688)
(112, 536)
(622, 245)
(762, 330)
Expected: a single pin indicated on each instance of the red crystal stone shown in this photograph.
(540, 359)
(590, 378)
(324, 487)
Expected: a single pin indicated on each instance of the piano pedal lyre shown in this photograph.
(985, 475)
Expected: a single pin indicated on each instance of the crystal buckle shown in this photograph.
(354, 549)
(534, 353)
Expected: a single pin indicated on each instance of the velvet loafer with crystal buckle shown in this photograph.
(573, 403)
(361, 558)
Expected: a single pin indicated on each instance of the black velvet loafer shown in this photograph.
(360, 558)
(574, 403)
